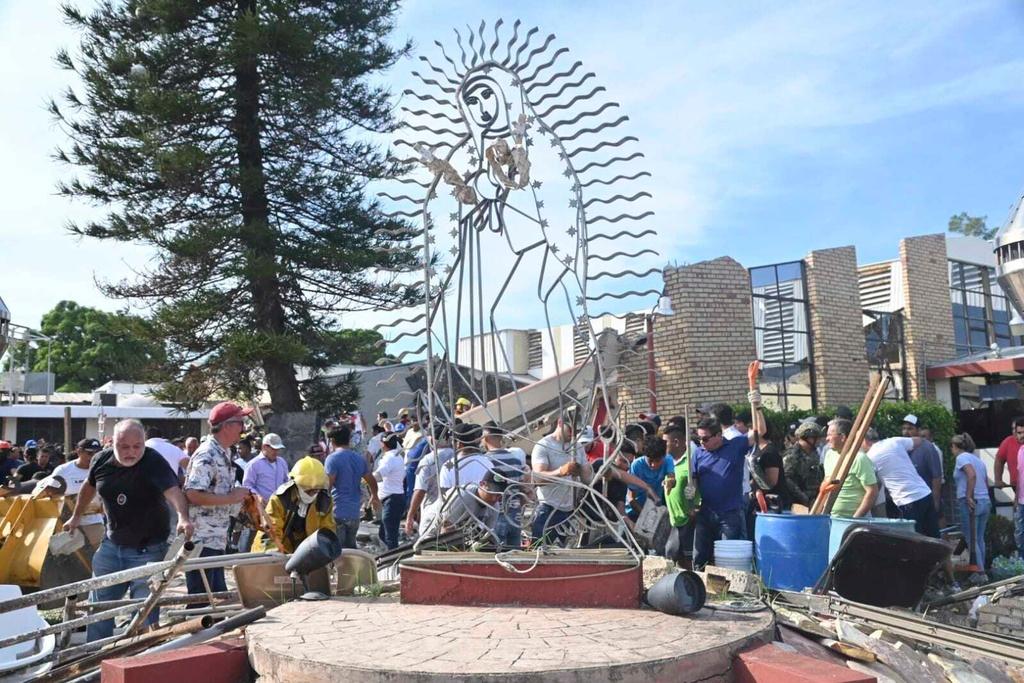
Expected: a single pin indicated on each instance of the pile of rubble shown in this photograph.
(974, 636)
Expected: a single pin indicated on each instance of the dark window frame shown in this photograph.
(967, 320)
(785, 334)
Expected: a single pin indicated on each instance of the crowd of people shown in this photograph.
(712, 473)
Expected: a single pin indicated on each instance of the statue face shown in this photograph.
(483, 106)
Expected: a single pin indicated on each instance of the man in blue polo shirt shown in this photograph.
(345, 470)
(718, 468)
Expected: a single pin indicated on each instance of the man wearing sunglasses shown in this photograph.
(718, 468)
(211, 491)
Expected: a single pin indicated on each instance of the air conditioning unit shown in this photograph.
(102, 398)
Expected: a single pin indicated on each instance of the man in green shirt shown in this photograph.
(860, 489)
(681, 497)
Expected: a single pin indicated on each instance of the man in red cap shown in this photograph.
(211, 491)
(8, 462)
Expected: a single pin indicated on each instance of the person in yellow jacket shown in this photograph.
(298, 508)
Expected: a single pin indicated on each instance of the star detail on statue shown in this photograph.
(453, 216)
(454, 232)
(568, 261)
(561, 155)
(515, 82)
(571, 232)
(472, 161)
(576, 187)
(467, 176)
(573, 203)
(567, 173)
(431, 239)
(454, 251)
(536, 184)
(448, 269)
(430, 271)
(543, 222)
(529, 142)
(508, 106)
(579, 301)
(553, 248)
(554, 141)
(540, 203)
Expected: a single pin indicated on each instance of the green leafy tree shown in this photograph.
(91, 347)
(972, 226)
(235, 138)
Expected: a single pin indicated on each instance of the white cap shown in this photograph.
(586, 436)
(274, 441)
(910, 418)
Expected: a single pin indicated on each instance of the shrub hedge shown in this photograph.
(887, 421)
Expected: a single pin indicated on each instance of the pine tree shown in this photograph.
(236, 138)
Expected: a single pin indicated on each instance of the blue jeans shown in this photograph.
(508, 528)
(410, 481)
(391, 517)
(546, 523)
(1018, 528)
(347, 530)
(215, 577)
(715, 526)
(982, 510)
(110, 558)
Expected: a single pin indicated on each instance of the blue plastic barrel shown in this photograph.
(841, 524)
(791, 550)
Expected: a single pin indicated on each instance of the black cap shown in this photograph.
(467, 433)
(91, 445)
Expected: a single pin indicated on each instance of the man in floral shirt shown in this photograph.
(211, 492)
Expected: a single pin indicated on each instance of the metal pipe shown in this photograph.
(68, 625)
(126, 575)
(140, 617)
(60, 592)
(165, 600)
(86, 656)
(226, 626)
(217, 611)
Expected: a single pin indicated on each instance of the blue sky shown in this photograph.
(771, 128)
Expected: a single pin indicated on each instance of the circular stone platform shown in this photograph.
(376, 640)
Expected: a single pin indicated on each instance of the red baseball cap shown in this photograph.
(226, 410)
(5, 445)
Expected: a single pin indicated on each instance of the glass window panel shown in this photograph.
(800, 401)
(955, 279)
(1000, 309)
(762, 277)
(792, 271)
(978, 339)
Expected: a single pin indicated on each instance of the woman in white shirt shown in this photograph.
(390, 472)
(971, 478)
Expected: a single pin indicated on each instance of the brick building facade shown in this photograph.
(927, 309)
(837, 333)
(701, 352)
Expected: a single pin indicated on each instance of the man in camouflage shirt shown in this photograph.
(211, 492)
(804, 472)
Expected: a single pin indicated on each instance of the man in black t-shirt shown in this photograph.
(135, 485)
(39, 461)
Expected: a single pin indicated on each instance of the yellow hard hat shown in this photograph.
(463, 401)
(309, 473)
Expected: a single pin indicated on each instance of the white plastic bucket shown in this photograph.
(737, 555)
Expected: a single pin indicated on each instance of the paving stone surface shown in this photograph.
(377, 640)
